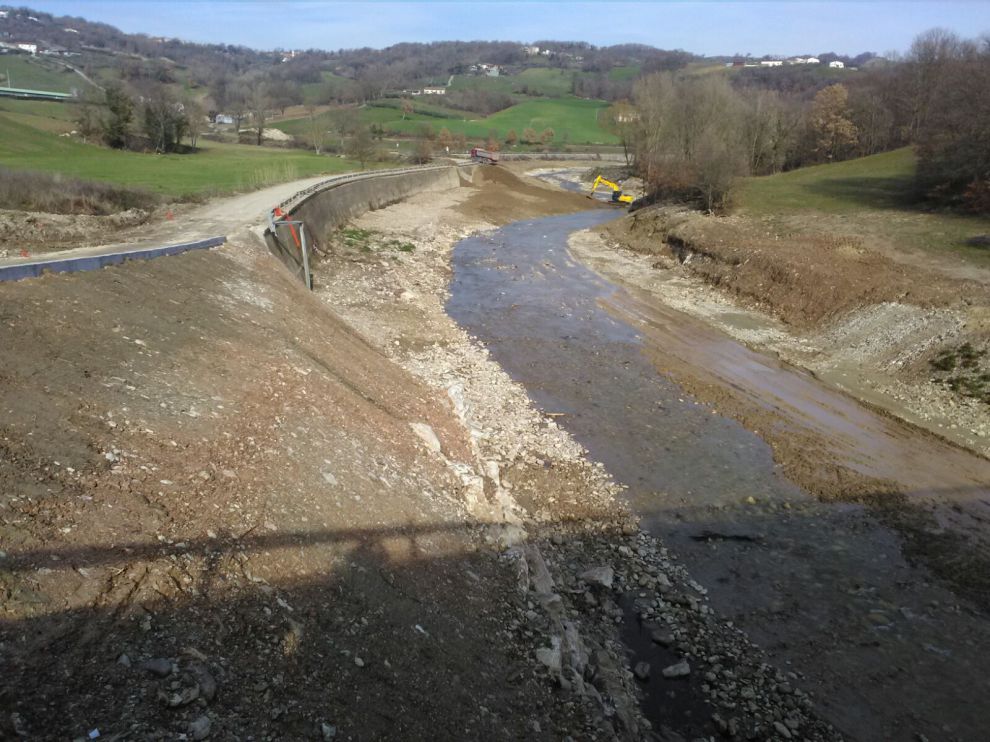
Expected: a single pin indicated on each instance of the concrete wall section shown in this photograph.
(335, 203)
(327, 210)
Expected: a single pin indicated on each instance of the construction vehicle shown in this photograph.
(618, 197)
(484, 156)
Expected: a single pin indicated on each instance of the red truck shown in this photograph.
(484, 156)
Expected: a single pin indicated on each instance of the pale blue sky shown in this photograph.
(792, 27)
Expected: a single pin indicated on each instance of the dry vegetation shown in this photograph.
(56, 194)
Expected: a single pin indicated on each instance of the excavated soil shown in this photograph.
(35, 232)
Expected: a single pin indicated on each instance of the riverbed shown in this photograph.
(823, 586)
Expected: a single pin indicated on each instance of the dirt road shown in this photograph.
(188, 222)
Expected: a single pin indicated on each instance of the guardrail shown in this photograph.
(296, 256)
(288, 204)
(34, 269)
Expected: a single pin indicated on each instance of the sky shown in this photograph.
(786, 27)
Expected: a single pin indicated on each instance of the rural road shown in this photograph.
(221, 216)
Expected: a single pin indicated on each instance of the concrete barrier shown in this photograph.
(329, 205)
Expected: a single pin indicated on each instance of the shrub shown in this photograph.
(53, 193)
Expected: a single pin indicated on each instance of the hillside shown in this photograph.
(216, 168)
(868, 196)
(573, 120)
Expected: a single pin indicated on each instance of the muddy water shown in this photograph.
(823, 588)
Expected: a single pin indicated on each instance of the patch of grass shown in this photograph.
(873, 197)
(400, 246)
(961, 369)
(53, 116)
(624, 72)
(215, 168)
(37, 73)
(573, 120)
(366, 240)
(356, 238)
(883, 181)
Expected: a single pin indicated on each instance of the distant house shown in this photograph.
(812, 60)
(224, 118)
(771, 63)
(29, 48)
(492, 70)
(836, 65)
(797, 60)
(435, 91)
(70, 30)
(531, 50)
(4, 13)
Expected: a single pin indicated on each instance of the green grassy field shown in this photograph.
(869, 196)
(573, 120)
(38, 74)
(625, 72)
(217, 168)
(51, 116)
(878, 181)
(317, 93)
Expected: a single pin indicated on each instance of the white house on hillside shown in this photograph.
(812, 60)
(435, 91)
(771, 63)
(836, 65)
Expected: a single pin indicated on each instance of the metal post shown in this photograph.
(305, 254)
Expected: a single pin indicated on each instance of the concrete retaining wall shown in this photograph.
(338, 200)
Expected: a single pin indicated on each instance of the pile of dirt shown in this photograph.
(36, 231)
(803, 279)
(221, 509)
(500, 192)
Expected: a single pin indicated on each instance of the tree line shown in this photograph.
(691, 137)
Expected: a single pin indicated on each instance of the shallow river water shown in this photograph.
(823, 588)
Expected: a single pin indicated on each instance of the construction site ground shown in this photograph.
(232, 509)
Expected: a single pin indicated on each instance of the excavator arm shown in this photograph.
(617, 195)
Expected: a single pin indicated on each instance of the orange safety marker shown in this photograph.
(169, 215)
(25, 254)
(279, 214)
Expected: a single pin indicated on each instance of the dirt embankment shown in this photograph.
(804, 280)
(37, 232)
(914, 341)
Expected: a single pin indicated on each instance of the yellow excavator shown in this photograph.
(617, 196)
